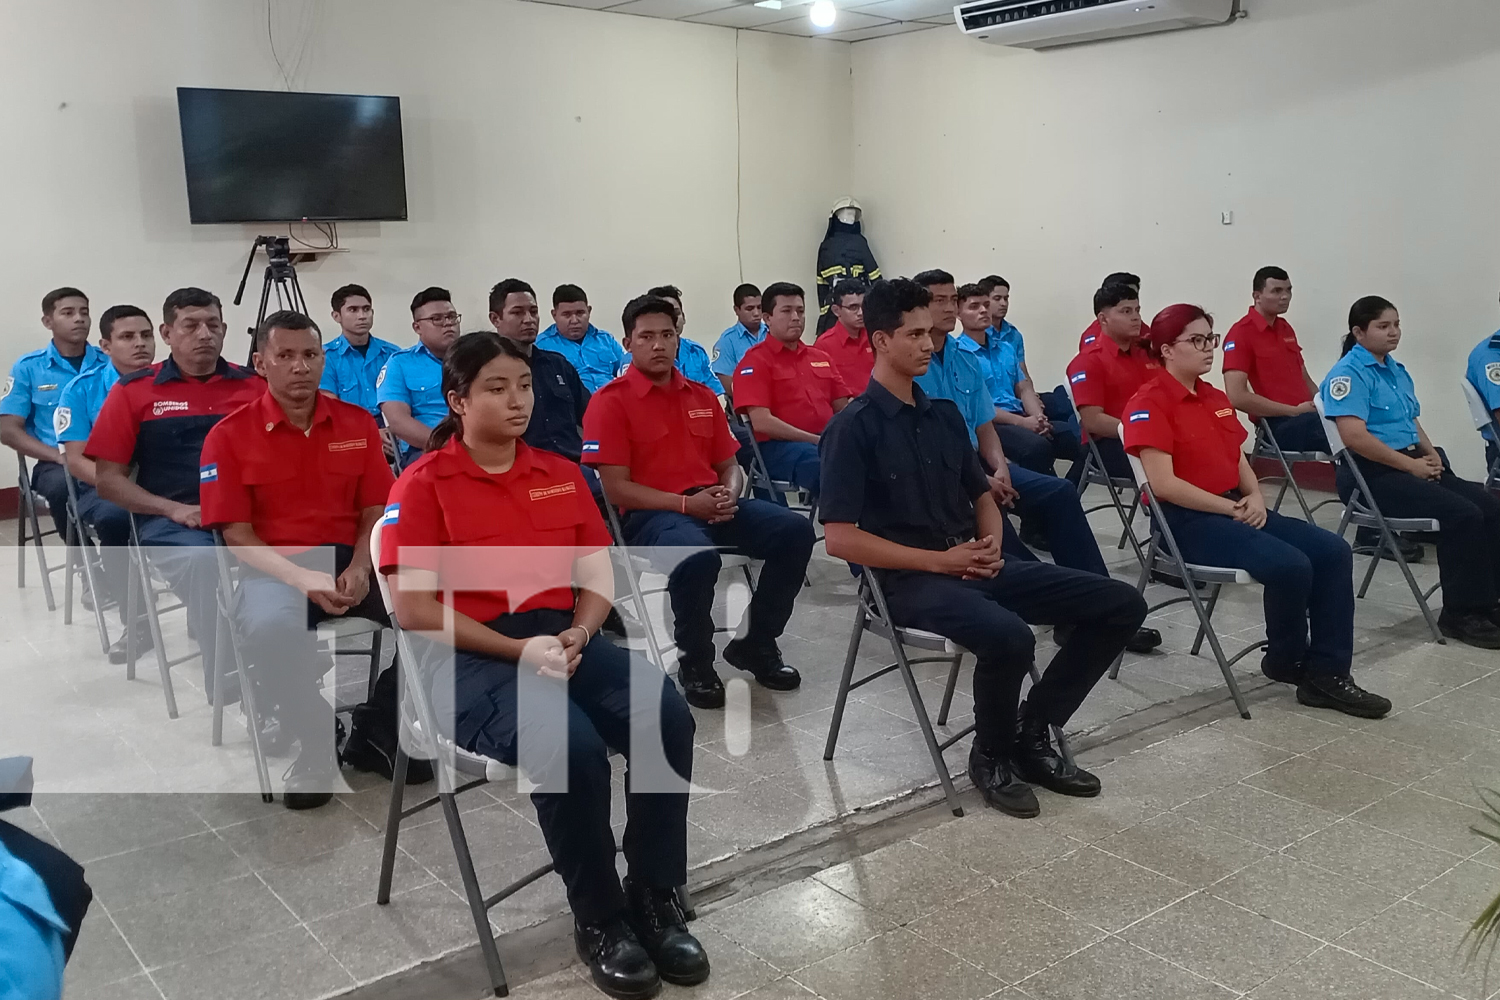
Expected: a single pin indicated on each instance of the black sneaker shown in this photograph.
(1473, 628)
(700, 685)
(1281, 673)
(661, 927)
(1040, 764)
(1367, 541)
(1001, 787)
(1342, 695)
(309, 781)
(765, 665)
(620, 967)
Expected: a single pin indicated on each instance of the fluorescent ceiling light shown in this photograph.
(823, 14)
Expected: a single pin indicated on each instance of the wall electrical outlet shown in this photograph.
(1227, 218)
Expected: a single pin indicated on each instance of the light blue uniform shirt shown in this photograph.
(351, 377)
(955, 374)
(36, 384)
(692, 361)
(732, 345)
(1000, 359)
(1484, 374)
(1381, 394)
(414, 376)
(82, 398)
(596, 357)
(31, 962)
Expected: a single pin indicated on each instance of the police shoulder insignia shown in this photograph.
(62, 419)
(1492, 372)
(380, 379)
(1339, 386)
(10, 383)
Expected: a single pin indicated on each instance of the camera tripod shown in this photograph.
(281, 276)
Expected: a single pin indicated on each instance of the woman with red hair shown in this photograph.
(1189, 441)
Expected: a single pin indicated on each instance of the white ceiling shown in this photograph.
(857, 20)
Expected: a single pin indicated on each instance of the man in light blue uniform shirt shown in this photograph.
(735, 341)
(34, 387)
(128, 339)
(353, 361)
(692, 359)
(593, 353)
(410, 386)
(1483, 374)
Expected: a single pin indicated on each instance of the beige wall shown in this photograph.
(1356, 142)
(548, 142)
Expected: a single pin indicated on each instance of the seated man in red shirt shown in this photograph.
(1264, 375)
(846, 342)
(788, 390)
(1107, 373)
(296, 480)
(664, 453)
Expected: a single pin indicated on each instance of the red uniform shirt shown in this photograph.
(1104, 376)
(852, 356)
(1093, 333)
(156, 418)
(541, 507)
(1268, 352)
(670, 437)
(796, 383)
(296, 490)
(1198, 429)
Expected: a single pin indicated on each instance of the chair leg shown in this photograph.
(1213, 642)
(148, 593)
(1389, 541)
(1057, 731)
(247, 702)
(685, 900)
(1140, 588)
(68, 565)
(393, 824)
(377, 640)
(93, 585)
(1213, 602)
(1129, 533)
(942, 718)
(21, 539)
(938, 761)
(41, 559)
(847, 679)
(475, 897)
(1370, 572)
(132, 588)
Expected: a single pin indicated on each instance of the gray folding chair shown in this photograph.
(1164, 558)
(1266, 446)
(144, 591)
(457, 771)
(84, 557)
(792, 495)
(1095, 473)
(872, 615)
(1362, 511)
(1484, 422)
(29, 529)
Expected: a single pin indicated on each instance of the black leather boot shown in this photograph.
(661, 927)
(765, 665)
(1040, 764)
(617, 962)
(1000, 785)
(700, 684)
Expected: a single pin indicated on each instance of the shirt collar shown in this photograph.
(222, 369)
(640, 384)
(1495, 339)
(1178, 392)
(846, 332)
(55, 357)
(1261, 323)
(968, 343)
(270, 412)
(1361, 356)
(453, 459)
(887, 403)
(794, 348)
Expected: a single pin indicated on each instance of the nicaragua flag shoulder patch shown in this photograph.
(1339, 386)
(1080, 377)
(746, 371)
(591, 447)
(391, 515)
(208, 473)
(1090, 340)
(1228, 345)
(1140, 415)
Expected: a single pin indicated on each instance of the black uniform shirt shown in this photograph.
(557, 413)
(903, 472)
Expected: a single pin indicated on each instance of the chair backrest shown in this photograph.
(1330, 427)
(1483, 419)
(1138, 470)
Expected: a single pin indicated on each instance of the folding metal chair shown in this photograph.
(1194, 577)
(1362, 511)
(872, 615)
(27, 520)
(83, 556)
(792, 495)
(1266, 446)
(1484, 421)
(146, 587)
(457, 771)
(1095, 473)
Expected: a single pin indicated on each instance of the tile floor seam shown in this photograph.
(140, 963)
(1388, 968)
(1412, 840)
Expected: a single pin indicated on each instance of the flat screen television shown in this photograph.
(274, 156)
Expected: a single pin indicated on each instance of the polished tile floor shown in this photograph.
(1297, 854)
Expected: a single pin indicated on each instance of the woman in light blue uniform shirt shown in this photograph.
(1374, 402)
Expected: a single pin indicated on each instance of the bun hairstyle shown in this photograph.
(1364, 312)
(462, 365)
(1171, 321)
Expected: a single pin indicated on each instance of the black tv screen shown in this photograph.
(274, 156)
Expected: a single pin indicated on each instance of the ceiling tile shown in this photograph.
(847, 21)
(895, 28)
(908, 10)
(589, 4)
(945, 19)
(666, 8)
(747, 15)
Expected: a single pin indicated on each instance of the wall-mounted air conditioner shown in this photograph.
(1040, 24)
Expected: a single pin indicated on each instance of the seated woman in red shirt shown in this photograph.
(1189, 441)
(519, 634)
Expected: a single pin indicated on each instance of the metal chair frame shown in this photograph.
(1194, 577)
(1095, 473)
(1362, 511)
(1266, 446)
(84, 555)
(142, 588)
(873, 616)
(27, 519)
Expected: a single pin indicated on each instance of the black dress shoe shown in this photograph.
(1040, 764)
(617, 962)
(661, 927)
(309, 781)
(1367, 541)
(700, 685)
(1143, 641)
(143, 644)
(1342, 695)
(764, 664)
(1000, 786)
(1472, 628)
(1280, 672)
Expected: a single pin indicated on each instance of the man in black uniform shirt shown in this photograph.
(904, 494)
(557, 414)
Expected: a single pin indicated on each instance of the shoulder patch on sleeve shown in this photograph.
(1079, 377)
(392, 514)
(10, 383)
(1140, 415)
(380, 379)
(1228, 345)
(208, 473)
(1339, 386)
(1492, 372)
(62, 419)
(742, 371)
(1090, 339)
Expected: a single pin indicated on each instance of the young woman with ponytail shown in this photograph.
(498, 554)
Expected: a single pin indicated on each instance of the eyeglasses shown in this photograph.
(443, 319)
(1201, 341)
